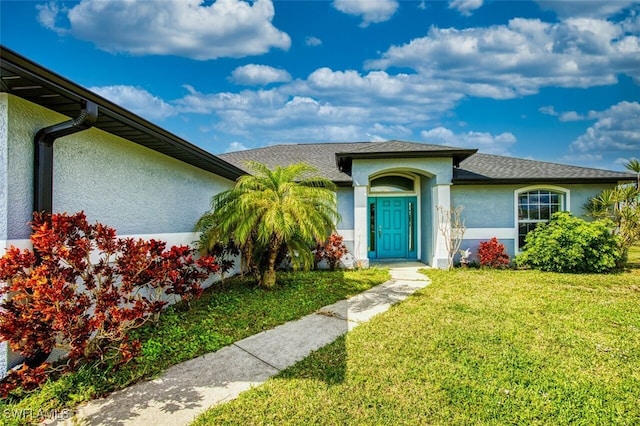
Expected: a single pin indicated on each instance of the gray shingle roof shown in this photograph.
(485, 168)
(320, 155)
(394, 146)
(323, 155)
(474, 168)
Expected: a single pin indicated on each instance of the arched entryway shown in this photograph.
(393, 216)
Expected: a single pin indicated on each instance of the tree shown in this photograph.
(634, 166)
(271, 214)
(622, 205)
(452, 227)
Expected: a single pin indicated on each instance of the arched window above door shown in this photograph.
(393, 184)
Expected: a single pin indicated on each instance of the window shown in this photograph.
(534, 207)
(372, 226)
(392, 183)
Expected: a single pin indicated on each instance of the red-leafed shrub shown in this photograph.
(83, 289)
(492, 253)
(332, 251)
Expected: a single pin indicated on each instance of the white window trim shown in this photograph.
(565, 206)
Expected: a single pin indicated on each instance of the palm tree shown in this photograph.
(622, 205)
(284, 210)
(634, 166)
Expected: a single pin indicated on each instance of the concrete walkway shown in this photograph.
(186, 390)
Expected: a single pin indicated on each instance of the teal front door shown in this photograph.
(392, 227)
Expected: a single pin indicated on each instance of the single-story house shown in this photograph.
(390, 194)
(65, 149)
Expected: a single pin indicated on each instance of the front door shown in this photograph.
(392, 227)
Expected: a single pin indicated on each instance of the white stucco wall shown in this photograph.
(124, 185)
(4, 107)
(135, 190)
(4, 349)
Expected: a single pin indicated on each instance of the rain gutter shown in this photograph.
(43, 153)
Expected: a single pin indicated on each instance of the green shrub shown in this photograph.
(570, 244)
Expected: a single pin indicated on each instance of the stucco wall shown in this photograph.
(124, 185)
(426, 220)
(580, 195)
(4, 348)
(493, 206)
(485, 206)
(3, 164)
(489, 210)
(345, 225)
(473, 245)
(345, 207)
(442, 168)
(24, 120)
(135, 190)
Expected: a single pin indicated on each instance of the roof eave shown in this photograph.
(344, 159)
(591, 180)
(64, 87)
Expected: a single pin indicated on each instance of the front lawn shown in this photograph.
(224, 314)
(474, 347)
(634, 257)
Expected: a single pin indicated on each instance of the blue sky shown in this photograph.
(548, 80)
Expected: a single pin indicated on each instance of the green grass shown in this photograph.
(474, 347)
(224, 314)
(634, 257)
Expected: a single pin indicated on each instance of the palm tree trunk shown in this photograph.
(269, 274)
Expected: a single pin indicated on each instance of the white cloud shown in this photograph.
(193, 29)
(380, 132)
(568, 115)
(48, 14)
(485, 142)
(548, 110)
(137, 100)
(572, 116)
(372, 11)
(236, 146)
(505, 61)
(253, 74)
(617, 129)
(465, 7)
(586, 8)
(312, 41)
(414, 96)
(585, 160)
(623, 161)
(278, 115)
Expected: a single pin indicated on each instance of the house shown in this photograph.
(66, 149)
(390, 193)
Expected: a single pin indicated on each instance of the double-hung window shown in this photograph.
(536, 206)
